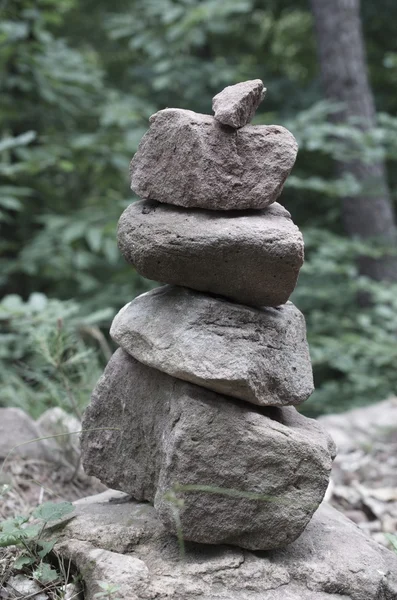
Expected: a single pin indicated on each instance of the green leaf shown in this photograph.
(109, 589)
(9, 539)
(94, 238)
(46, 547)
(19, 140)
(11, 525)
(51, 511)
(99, 316)
(31, 531)
(392, 539)
(10, 203)
(45, 573)
(23, 561)
(74, 231)
(12, 302)
(15, 536)
(37, 301)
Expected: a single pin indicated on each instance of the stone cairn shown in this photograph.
(195, 411)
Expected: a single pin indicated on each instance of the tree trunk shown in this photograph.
(345, 79)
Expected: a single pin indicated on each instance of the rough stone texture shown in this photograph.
(254, 354)
(17, 428)
(269, 466)
(236, 104)
(21, 586)
(190, 160)
(73, 591)
(250, 257)
(331, 560)
(128, 573)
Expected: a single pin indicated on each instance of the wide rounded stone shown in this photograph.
(111, 539)
(217, 470)
(255, 354)
(190, 159)
(250, 257)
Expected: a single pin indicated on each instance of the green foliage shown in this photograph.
(108, 591)
(12, 532)
(27, 532)
(49, 353)
(354, 350)
(79, 81)
(65, 144)
(50, 511)
(187, 50)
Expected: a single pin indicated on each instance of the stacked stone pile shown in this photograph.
(195, 411)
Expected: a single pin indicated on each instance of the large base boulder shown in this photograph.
(255, 354)
(124, 543)
(191, 160)
(218, 470)
(250, 257)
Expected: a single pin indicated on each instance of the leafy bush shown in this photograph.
(50, 355)
(28, 534)
(80, 80)
(353, 348)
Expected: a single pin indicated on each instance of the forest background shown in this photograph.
(79, 80)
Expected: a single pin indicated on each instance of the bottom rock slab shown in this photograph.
(331, 560)
(218, 470)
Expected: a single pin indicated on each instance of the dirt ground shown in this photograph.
(29, 482)
(364, 478)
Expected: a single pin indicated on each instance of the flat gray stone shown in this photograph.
(252, 258)
(236, 104)
(331, 560)
(191, 160)
(129, 575)
(256, 475)
(255, 354)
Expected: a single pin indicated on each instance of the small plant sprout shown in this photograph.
(27, 532)
(108, 591)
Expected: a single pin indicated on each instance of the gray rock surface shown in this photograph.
(331, 560)
(73, 591)
(17, 430)
(55, 422)
(20, 586)
(190, 160)
(256, 475)
(236, 104)
(255, 354)
(127, 574)
(250, 257)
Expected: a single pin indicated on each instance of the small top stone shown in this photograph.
(237, 104)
